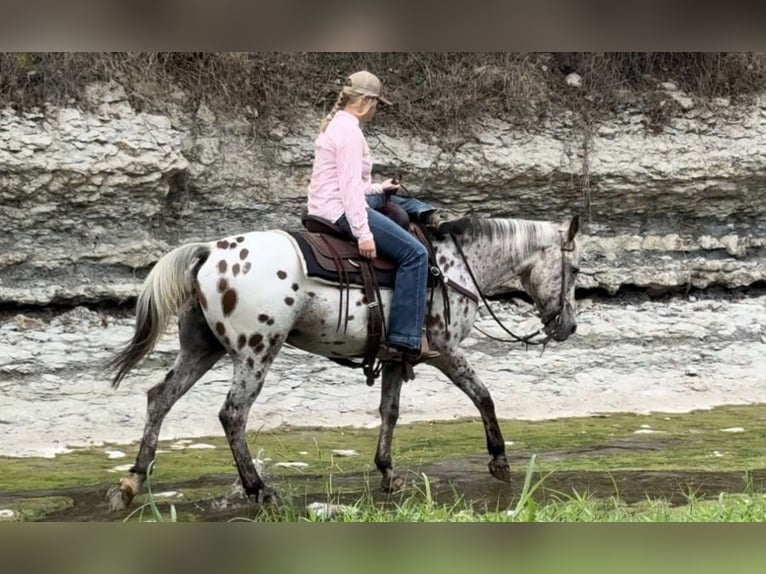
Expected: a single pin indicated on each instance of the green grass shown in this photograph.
(422, 506)
(602, 445)
(690, 441)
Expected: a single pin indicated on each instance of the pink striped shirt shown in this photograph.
(341, 176)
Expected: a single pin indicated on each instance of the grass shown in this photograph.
(691, 441)
(422, 506)
(585, 468)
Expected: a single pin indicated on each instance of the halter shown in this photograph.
(526, 340)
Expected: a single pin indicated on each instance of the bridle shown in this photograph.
(566, 246)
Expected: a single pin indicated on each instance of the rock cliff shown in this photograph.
(91, 197)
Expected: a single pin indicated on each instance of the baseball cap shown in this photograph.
(367, 84)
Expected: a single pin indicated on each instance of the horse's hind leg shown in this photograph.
(389, 414)
(249, 373)
(454, 364)
(199, 351)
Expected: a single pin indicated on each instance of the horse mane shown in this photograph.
(525, 232)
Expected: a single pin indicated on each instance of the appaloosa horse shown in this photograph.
(247, 295)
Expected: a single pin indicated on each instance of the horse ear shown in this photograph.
(574, 227)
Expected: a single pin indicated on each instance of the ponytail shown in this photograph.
(344, 96)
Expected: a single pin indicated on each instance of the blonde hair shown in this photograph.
(347, 95)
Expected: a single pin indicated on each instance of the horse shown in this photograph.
(248, 295)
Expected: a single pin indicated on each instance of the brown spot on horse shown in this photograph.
(235, 269)
(243, 254)
(222, 244)
(255, 339)
(289, 300)
(223, 285)
(246, 267)
(263, 317)
(229, 302)
(281, 274)
(241, 340)
(220, 329)
(222, 266)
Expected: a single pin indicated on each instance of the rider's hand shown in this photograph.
(367, 249)
(391, 185)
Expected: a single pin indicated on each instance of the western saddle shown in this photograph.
(331, 255)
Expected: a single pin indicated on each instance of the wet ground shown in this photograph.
(450, 481)
(631, 354)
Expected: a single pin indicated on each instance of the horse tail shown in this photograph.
(166, 289)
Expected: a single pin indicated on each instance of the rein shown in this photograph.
(525, 340)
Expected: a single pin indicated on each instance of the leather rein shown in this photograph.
(527, 339)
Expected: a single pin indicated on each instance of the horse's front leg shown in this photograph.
(389, 413)
(455, 365)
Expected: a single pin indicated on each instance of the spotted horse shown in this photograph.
(248, 295)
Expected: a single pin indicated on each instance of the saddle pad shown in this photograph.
(385, 277)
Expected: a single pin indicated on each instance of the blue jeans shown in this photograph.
(408, 304)
(414, 207)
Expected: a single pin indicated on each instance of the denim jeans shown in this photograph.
(408, 305)
(414, 207)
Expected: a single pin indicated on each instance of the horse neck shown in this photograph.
(496, 248)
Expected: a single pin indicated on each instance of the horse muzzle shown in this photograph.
(560, 325)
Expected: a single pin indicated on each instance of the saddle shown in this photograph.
(331, 255)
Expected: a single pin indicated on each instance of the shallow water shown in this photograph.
(463, 480)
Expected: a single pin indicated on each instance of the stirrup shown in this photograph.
(388, 354)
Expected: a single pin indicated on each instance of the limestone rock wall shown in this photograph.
(90, 199)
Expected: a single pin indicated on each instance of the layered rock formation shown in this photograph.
(89, 199)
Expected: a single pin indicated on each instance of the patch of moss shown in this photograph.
(30, 509)
(681, 441)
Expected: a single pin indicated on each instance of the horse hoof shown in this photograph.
(269, 497)
(394, 485)
(500, 469)
(118, 499)
(265, 498)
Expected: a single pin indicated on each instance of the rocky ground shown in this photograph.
(631, 353)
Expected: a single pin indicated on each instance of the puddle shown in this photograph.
(205, 498)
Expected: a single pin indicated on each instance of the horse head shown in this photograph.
(549, 276)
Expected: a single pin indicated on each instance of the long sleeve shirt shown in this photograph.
(341, 176)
